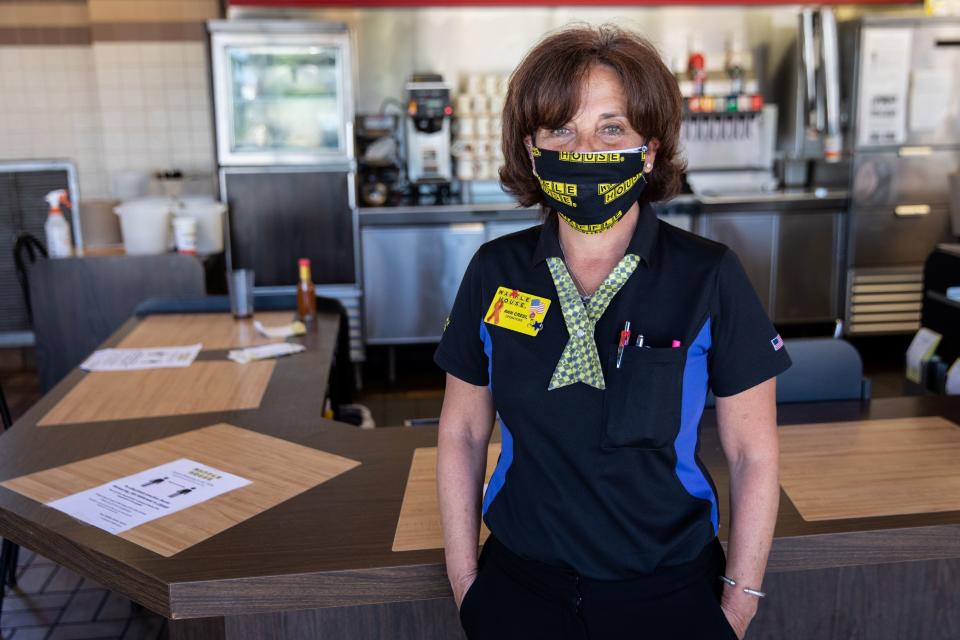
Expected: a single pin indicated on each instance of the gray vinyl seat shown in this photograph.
(823, 369)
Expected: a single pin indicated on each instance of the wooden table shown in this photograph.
(320, 564)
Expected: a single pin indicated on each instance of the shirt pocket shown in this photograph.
(641, 404)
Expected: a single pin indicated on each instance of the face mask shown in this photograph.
(590, 191)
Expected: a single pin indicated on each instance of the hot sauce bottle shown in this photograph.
(306, 294)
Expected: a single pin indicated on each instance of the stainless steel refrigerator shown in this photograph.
(284, 110)
(903, 138)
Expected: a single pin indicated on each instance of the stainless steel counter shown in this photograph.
(784, 200)
(445, 214)
(414, 257)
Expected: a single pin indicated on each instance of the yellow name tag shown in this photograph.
(517, 311)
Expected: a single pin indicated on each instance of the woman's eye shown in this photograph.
(560, 131)
(612, 129)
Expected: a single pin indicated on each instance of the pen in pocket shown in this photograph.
(673, 343)
(624, 341)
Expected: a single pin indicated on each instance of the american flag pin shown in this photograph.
(777, 343)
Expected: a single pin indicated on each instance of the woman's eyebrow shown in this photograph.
(612, 115)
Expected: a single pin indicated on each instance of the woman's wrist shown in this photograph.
(464, 577)
(460, 582)
(734, 599)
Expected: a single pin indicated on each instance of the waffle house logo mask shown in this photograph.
(592, 190)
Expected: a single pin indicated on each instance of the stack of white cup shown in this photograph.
(477, 129)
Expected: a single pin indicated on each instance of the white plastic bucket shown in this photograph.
(145, 225)
(209, 216)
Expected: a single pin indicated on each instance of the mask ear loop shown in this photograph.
(533, 145)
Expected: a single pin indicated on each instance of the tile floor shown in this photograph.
(53, 603)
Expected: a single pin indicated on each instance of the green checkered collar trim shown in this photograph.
(580, 361)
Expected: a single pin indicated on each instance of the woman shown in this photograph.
(594, 338)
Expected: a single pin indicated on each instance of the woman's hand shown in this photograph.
(461, 585)
(738, 621)
(739, 608)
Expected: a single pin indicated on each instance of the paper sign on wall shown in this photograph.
(133, 500)
(930, 92)
(885, 75)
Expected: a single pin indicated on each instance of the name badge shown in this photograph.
(517, 311)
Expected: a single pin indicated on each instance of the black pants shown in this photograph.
(515, 598)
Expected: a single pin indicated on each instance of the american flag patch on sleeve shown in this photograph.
(777, 343)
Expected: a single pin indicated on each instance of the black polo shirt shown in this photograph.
(608, 482)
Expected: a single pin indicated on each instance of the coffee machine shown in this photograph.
(379, 162)
(429, 111)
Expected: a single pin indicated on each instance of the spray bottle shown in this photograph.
(59, 242)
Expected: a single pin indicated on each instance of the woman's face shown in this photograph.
(600, 124)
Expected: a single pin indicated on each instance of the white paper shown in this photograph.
(133, 500)
(133, 359)
(953, 379)
(884, 77)
(930, 92)
(296, 328)
(250, 354)
(921, 349)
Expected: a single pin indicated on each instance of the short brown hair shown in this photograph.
(545, 91)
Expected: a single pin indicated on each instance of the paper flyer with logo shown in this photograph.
(148, 358)
(133, 500)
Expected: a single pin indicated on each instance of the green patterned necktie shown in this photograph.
(580, 361)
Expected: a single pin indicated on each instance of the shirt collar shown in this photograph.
(641, 244)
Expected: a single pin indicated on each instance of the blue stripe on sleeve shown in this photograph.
(688, 471)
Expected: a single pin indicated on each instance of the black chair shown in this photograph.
(342, 385)
(823, 369)
(9, 551)
(26, 251)
(5, 411)
(78, 302)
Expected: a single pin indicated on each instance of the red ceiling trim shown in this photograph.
(369, 4)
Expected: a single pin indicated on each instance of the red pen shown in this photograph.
(624, 339)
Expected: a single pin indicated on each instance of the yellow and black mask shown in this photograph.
(592, 190)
